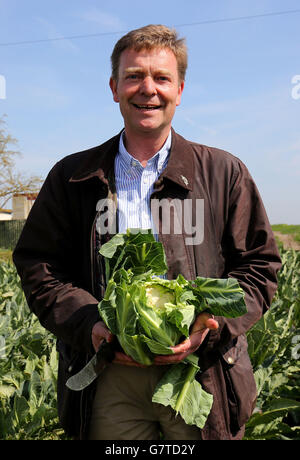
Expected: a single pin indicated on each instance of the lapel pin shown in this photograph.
(184, 179)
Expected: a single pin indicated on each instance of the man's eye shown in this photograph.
(132, 77)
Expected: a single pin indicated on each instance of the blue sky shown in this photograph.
(238, 92)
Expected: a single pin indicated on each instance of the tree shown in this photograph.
(11, 181)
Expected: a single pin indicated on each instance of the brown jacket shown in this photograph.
(63, 281)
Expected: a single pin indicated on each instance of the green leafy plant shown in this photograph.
(149, 315)
(274, 349)
(28, 367)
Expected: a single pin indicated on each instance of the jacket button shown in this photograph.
(230, 360)
(70, 369)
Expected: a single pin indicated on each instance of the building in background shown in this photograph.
(13, 220)
(21, 205)
(5, 214)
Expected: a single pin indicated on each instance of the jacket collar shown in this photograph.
(180, 168)
(99, 162)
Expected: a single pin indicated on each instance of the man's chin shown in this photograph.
(148, 126)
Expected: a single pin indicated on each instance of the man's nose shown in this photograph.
(148, 87)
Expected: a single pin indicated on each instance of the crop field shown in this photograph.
(28, 363)
(285, 229)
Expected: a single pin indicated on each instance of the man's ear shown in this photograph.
(180, 89)
(113, 86)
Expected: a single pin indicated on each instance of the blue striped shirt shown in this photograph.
(134, 185)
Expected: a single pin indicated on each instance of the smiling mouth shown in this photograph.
(147, 107)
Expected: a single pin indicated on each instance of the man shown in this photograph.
(62, 273)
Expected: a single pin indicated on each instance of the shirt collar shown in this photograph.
(99, 162)
(158, 160)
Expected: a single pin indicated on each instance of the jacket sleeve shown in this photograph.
(45, 259)
(250, 252)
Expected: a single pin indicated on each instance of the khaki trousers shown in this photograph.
(123, 407)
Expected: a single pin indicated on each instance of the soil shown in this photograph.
(287, 241)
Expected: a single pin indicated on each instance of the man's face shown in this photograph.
(148, 90)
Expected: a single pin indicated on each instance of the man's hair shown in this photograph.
(150, 37)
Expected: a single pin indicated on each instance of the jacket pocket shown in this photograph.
(240, 384)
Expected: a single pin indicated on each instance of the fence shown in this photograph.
(10, 231)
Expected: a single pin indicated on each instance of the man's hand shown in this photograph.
(100, 333)
(125, 360)
(202, 325)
